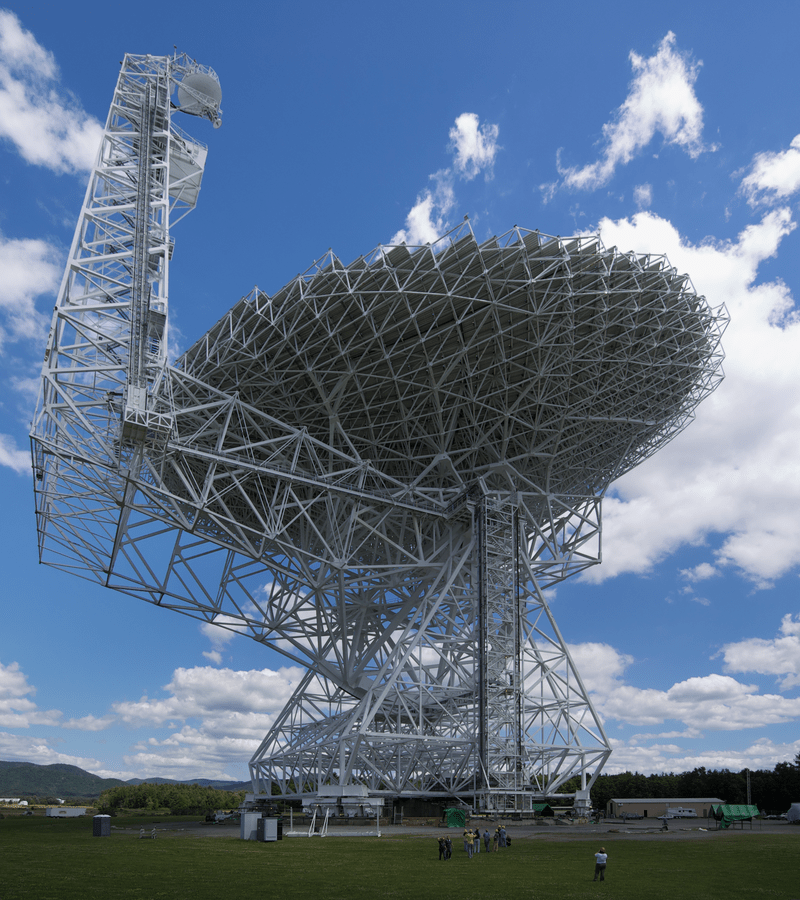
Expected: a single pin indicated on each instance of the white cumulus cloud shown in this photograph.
(700, 572)
(47, 126)
(203, 691)
(17, 710)
(225, 715)
(714, 702)
(779, 656)
(600, 665)
(427, 220)
(635, 757)
(10, 456)
(773, 176)
(90, 723)
(474, 148)
(222, 630)
(661, 101)
(30, 268)
(734, 471)
(643, 195)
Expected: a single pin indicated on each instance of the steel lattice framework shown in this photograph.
(377, 471)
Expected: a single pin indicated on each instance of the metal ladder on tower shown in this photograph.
(500, 683)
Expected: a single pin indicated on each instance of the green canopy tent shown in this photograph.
(542, 809)
(455, 816)
(728, 814)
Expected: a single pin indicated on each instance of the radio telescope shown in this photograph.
(377, 471)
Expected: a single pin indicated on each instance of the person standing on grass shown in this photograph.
(496, 839)
(466, 834)
(486, 839)
(470, 844)
(477, 836)
(600, 860)
(449, 845)
(442, 849)
(502, 835)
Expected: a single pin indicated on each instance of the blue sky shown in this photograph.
(353, 124)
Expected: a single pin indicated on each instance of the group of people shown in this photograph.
(472, 845)
(472, 842)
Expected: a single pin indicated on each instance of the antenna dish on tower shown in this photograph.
(200, 94)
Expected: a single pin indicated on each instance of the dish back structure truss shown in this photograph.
(377, 472)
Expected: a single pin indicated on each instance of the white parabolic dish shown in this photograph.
(525, 360)
(199, 83)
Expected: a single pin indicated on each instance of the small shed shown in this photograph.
(101, 826)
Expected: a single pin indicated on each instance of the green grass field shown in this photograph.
(59, 860)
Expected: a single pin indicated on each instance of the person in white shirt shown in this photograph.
(600, 860)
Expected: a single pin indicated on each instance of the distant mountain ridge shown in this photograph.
(203, 782)
(24, 779)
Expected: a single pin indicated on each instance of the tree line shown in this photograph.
(179, 798)
(770, 790)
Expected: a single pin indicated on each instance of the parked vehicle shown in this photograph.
(679, 812)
